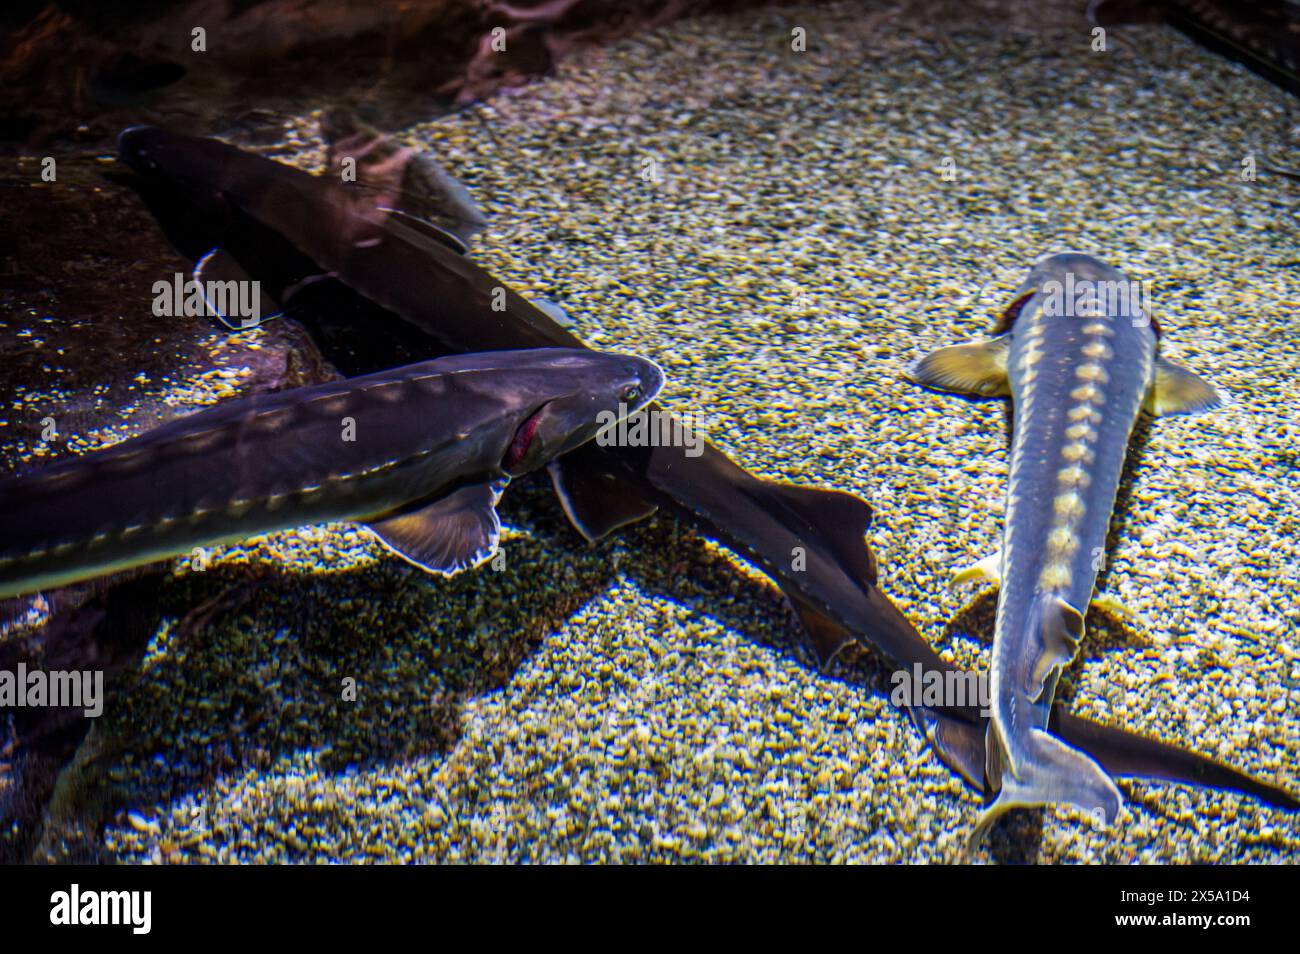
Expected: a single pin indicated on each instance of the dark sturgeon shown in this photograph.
(413, 293)
(419, 453)
(1078, 357)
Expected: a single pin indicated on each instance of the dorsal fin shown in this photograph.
(839, 520)
(397, 181)
(1059, 630)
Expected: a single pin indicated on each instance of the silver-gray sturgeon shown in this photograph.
(1078, 355)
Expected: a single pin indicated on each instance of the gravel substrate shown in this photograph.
(649, 699)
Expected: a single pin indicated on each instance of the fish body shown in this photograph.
(1077, 383)
(305, 228)
(1078, 358)
(420, 296)
(419, 453)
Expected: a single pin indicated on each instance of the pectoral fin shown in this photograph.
(455, 533)
(596, 501)
(1179, 391)
(219, 266)
(827, 637)
(988, 569)
(978, 368)
(1060, 628)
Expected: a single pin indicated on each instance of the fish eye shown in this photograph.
(630, 393)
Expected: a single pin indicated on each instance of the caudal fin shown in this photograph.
(1126, 753)
(959, 742)
(1046, 772)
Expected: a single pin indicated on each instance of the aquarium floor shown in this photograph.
(776, 229)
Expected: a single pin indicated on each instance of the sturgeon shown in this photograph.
(376, 282)
(420, 454)
(1077, 353)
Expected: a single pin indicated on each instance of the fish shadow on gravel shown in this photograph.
(252, 662)
(247, 663)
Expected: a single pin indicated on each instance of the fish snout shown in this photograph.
(144, 148)
(648, 382)
(135, 145)
(600, 390)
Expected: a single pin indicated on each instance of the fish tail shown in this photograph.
(1129, 754)
(960, 743)
(1045, 771)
